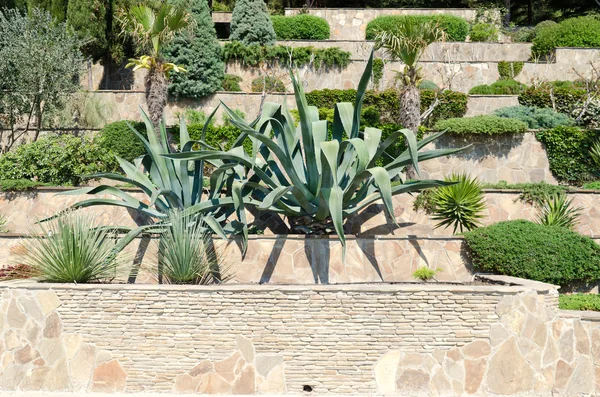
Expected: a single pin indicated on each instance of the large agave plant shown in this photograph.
(315, 179)
(169, 186)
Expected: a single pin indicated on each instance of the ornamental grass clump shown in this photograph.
(72, 249)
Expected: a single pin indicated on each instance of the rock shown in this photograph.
(385, 372)
(14, 316)
(72, 342)
(12, 340)
(52, 328)
(31, 308)
(498, 334)
(509, 372)
(562, 375)
(245, 383)
(275, 382)
(35, 379)
(32, 332)
(12, 376)
(245, 346)
(214, 384)
(186, 384)
(50, 350)
(25, 355)
(57, 379)
(109, 378)
(48, 301)
(81, 367)
(265, 363)
(596, 346)
(225, 368)
(477, 349)
(582, 381)
(566, 346)
(513, 321)
(474, 371)
(203, 368)
(582, 339)
(440, 384)
(412, 380)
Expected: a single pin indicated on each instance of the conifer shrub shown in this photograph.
(251, 24)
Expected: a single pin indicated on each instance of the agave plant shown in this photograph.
(557, 210)
(71, 249)
(169, 185)
(460, 205)
(317, 181)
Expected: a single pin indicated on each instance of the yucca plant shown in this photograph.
(187, 254)
(72, 249)
(314, 179)
(460, 205)
(169, 185)
(557, 210)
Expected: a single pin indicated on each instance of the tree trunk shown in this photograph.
(410, 116)
(156, 95)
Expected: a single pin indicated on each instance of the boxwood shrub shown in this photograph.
(573, 32)
(481, 125)
(528, 250)
(567, 96)
(118, 139)
(579, 302)
(484, 32)
(456, 28)
(500, 87)
(300, 27)
(535, 117)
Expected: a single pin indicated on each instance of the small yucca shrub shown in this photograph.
(460, 205)
(558, 210)
(71, 249)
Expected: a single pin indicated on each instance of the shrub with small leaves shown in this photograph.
(117, 139)
(573, 32)
(484, 32)
(428, 85)
(267, 84)
(509, 70)
(579, 302)
(481, 125)
(500, 87)
(231, 83)
(425, 274)
(535, 117)
(300, 27)
(456, 28)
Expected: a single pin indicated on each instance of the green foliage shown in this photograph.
(300, 27)
(509, 70)
(531, 193)
(568, 153)
(535, 117)
(579, 302)
(522, 34)
(187, 254)
(560, 96)
(54, 159)
(557, 210)
(251, 24)
(482, 125)
(428, 85)
(82, 110)
(425, 274)
(191, 116)
(500, 87)
(197, 50)
(88, 19)
(315, 180)
(219, 136)
(456, 28)
(484, 32)
(18, 185)
(231, 83)
(378, 66)
(387, 102)
(528, 250)
(589, 186)
(117, 139)
(40, 64)
(267, 84)
(254, 55)
(71, 249)
(460, 205)
(573, 32)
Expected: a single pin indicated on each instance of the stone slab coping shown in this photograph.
(380, 8)
(508, 280)
(586, 315)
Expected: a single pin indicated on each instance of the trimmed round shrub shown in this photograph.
(117, 139)
(509, 70)
(500, 87)
(456, 28)
(484, 32)
(528, 250)
(573, 32)
(267, 84)
(481, 125)
(300, 27)
(535, 118)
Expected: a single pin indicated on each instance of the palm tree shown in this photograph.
(406, 43)
(151, 29)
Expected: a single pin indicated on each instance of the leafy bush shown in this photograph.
(560, 96)
(456, 28)
(531, 193)
(460, 205)
(484, 32)
(525, 249)
(71, 249)
(579, 302)
(500, 87)
(19, 185)
(521, 34)
(217, 136)
(198, 51)
(191, 116)
(509, 70)
(535, 118)
(117, 139)
(300, 27)
(573, 32)
(568, 153)
(254, 55)
(482, 125)
(267, 84)
(557, 210)
(231, 83)
(378, 66)
(54, 159)
(251, 24)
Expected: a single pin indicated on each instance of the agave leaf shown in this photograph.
(360, 95)
(342, 120)
(333, 198)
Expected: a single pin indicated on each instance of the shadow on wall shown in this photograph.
(117, 77)
(498, 146)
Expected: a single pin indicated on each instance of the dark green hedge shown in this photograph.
(579, 302)
(528, 250)
(387, 102)
(566, 97)
(456, 28)
(573, 32)
(481, 125)
(500, 87)
(567, 149)
(118, 139)
(300, 27)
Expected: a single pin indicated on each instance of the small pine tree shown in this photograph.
(198, 51)
(251, 23)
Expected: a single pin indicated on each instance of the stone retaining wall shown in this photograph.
(345, 339)
(486, 104)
